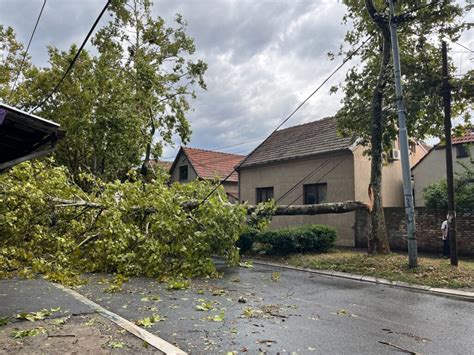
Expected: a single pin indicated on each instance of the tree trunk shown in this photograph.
(146, 161)
(378, 240)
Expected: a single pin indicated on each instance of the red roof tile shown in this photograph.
(468, 138)
(166, 165)
(210, 165)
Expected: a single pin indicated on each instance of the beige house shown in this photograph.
(192, 163)
(432, 168)
(311, 163)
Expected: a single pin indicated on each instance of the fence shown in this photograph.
(428, 229)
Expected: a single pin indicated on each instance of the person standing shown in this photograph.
(445, 236)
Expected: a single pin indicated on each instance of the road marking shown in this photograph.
(150, 338)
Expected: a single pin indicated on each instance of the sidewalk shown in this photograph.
(38, 316)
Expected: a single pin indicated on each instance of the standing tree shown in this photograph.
(369, 86)
(118, 106)
(13, 63)
(161, 73)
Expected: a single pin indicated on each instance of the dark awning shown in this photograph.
(24, 136)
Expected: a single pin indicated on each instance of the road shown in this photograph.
(293, 311)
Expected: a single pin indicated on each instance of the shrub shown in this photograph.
(247, 237)
(311, 238)
(436, 195)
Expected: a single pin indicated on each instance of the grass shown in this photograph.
(432, 271)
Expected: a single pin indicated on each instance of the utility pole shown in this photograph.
(403, 139)
(446, 92)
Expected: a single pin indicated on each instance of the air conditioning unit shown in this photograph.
(394, 154)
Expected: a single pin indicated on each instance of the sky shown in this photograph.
(264, 58)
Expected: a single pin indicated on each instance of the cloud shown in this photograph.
(264, 58)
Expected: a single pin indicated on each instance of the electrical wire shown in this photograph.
(463, 46)
(317, 181)
(220, 148)
(311, 173)
(349, 57)
(27, 49)
(74, 59)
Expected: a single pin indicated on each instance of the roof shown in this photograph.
(300, 141)
(209, 164)
(467, 138)
(426, 147)
(24, 136)
(164, 164)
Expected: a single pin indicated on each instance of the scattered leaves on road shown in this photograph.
(216, 318)
(174, 285)
(147, 322)
(246, 264)
(276, 277)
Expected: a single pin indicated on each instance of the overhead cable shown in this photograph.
(71, 65)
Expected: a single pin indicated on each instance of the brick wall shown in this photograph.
(428, 230)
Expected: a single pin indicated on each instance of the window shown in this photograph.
(315, 193)
(264, 194)
(462, 151)
(183, 173)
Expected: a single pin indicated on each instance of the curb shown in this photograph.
(155, 341)
(443, 292)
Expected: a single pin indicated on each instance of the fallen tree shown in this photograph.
(279, 210)
(311, 210)
(52, 224)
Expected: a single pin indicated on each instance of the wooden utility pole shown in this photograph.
(403, 139)
(446, 92)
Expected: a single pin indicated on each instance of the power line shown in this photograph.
(349, 57)
(463, 46)
(311, 173)
(74, 59)
(224, 147)
(334, 167)
(241, 143)
(27, 49)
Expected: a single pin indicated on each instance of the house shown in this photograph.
(432, 168)
(311, 163)
(192, 163)
(162, 164)
(24, 136)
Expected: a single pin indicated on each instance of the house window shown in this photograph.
(264, 194)
(462, 151)
(183, 173)
(315, 193)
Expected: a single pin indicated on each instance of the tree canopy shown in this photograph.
(369, 85)
(123, 99)
(420, 32)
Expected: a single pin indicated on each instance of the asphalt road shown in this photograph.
(293, 311)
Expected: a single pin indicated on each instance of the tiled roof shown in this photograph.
(166, 165)
(210, 164)
(468, 138)
(299, 141)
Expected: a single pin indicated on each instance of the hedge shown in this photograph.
(311, 238)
